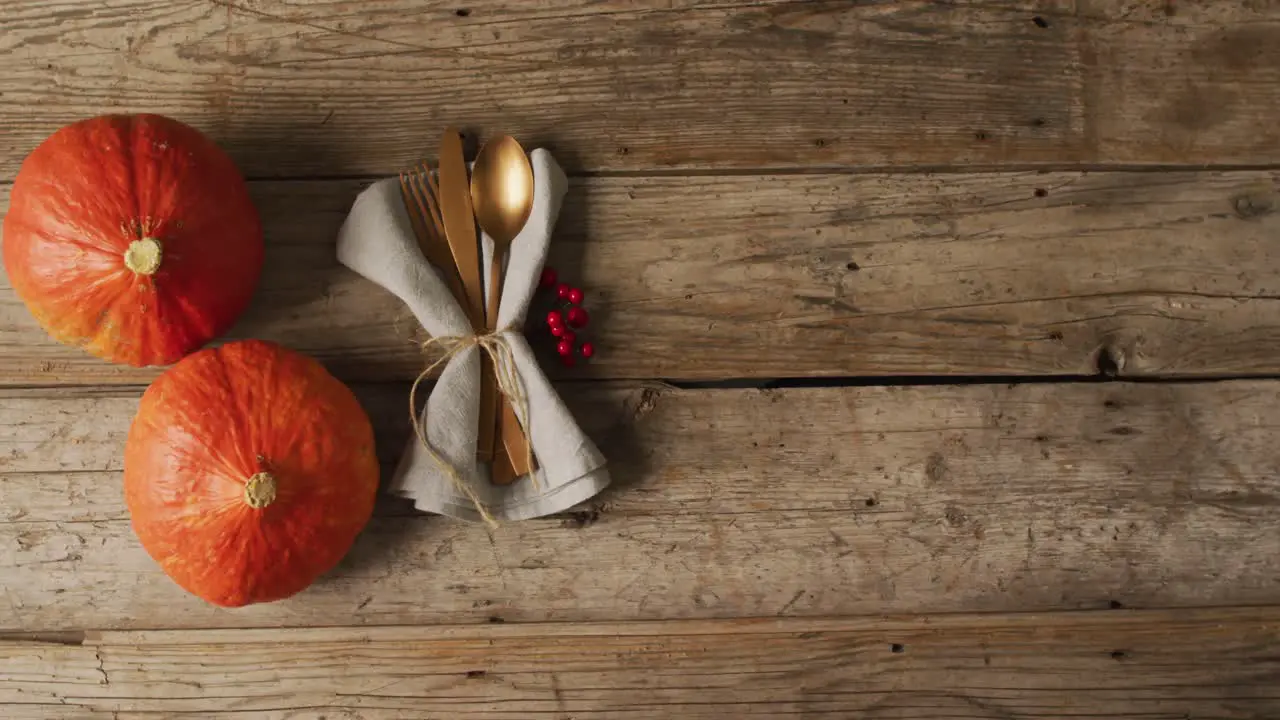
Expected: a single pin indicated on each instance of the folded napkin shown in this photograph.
(378, 242)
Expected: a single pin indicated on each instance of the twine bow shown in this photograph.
(509, 384)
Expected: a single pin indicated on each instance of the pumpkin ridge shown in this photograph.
(127, 139)
(179, 414)
(80, 239)
(241, 395)
(106, 326)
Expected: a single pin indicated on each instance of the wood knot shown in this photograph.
(1253, 205)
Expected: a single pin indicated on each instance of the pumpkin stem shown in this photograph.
(260, 491)
(143, 256)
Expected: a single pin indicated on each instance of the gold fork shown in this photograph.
(424, 215)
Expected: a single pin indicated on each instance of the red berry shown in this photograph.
(568, 335)
(559, 330)
(588, 350)
(575, 296)
(548, 279)
(578, 317)
(565, 348)
(568, 360)
(563, 291)
(555, 319)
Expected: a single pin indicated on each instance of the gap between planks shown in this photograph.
(1266, 616)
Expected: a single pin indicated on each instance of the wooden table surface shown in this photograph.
(939, 358)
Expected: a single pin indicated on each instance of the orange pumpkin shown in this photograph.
(133, 237)
(249, 471)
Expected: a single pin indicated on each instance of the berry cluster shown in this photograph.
(567, 320)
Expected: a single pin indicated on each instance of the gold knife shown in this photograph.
(460, 228)
(459, 223)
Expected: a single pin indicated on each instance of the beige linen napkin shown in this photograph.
(377, 241)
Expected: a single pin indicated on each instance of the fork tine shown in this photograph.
(432, 193)
(431, 179)
(416, 194)
(430, 211)
(416, 217)
(434, 245)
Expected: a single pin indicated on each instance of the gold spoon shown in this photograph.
(502, 195)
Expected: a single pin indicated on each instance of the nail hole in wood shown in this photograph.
(852, 267)
(1041, 192)
(1118, 654)
(872, 502)
(1040, 22)
(462, 12)
(1106, 363)
(1116, 605)
(897, 648)
(475, 673)
(981, 136)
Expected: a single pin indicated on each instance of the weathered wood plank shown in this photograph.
(715, 277)
(1169, 81)
(338, 88)
(738, 503)
(1158, 664)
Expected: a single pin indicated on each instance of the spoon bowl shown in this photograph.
(502, 190)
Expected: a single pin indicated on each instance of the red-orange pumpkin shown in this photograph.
(249, 471)
(132, 236)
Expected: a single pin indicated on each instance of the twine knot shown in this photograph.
(498, 347)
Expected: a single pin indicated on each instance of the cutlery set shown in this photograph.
(444, 209)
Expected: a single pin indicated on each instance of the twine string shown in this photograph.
(509, 384)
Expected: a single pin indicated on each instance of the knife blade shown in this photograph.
(459, 222)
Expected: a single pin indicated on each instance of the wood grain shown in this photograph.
(342, 88)
(1164, 274)
(732, 503)
(1157, 664)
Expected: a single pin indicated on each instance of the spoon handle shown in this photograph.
(512, 451)
(495, 285)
